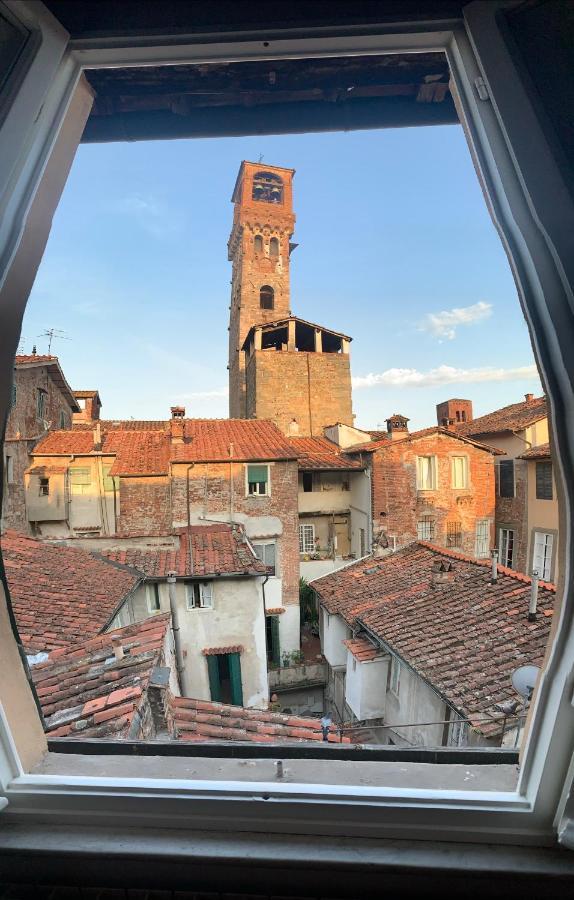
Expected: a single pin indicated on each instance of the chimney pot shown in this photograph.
(529, 398)
(118, 648)
(397, 427)
(97, 437)
(177, 424)
(533, 597)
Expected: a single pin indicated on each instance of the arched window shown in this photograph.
(266, 297)
(267, 187)
(258, 243)
(274, 247)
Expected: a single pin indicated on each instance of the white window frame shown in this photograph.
(267, 492)
(503, 541)
(306, 528)
(478, 538)
(266, 544)
(151, 597)
(201, 590)
(433, 472)
(465, 472)
(81, 488)
(544, 569)
(535, 216)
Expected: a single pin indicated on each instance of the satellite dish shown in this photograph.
(524, 679)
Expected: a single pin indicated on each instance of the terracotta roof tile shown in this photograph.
(216, 549)
(209, 440)
(59, 594)
(465, 636)
(363, 650)
(317, 453)
(200, 720)
(78, 696)
(540, 452)
(509, 418)
(385, 443)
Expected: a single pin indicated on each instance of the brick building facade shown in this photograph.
(282, 368)
(431, 485)
(42, 400)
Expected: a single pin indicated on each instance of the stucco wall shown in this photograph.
(236, 618)
(542, 515)
(334, 631)
(365, 687)
(415, 703)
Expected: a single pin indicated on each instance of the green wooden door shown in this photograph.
(235, 674)
(275, 648)
(214, 683)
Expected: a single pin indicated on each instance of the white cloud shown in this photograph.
(443, 375)
(150, 213)
(444, 324)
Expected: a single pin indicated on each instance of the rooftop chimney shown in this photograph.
(494, 574)
(397, 427)
(118, 648)
(97, 436)
(293, 428)
(177, 424)
(529, 398)
(533, 597)
(442, 573)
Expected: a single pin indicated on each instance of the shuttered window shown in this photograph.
(258, 480)
(506, 478)
(482, 538)
(544, 480)
(266, 553)
(542, 557)
(199, 595)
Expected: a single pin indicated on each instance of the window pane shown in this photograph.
(544, 480)
(306, 538)
(542, 558)
(482, 538)
(459, 472)
(506, 478)
(425, 529)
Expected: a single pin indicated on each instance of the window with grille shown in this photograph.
(453, 534)
(306, 538)
(506, 478)
(542, 555)
(544, 480)
(426, 473)
(266, 553)
(506, 546)
(425, 528)
(199, 595)
(258, 480)
(459, 472)
(482, 538)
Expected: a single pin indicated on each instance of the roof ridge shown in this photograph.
(485, 563)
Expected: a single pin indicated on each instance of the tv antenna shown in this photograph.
(54, 334)
(260, 160)
(524, 679)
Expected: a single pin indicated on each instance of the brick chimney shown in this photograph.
(177, 424)
(97, 436)
(90, 404)
(451, 413)
(397, 427)
(442, 573)
(529, 398)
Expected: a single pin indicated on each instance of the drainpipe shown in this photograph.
(176, 636)
(231, 497)
(263, 583)
(115, 506)
(533, 597)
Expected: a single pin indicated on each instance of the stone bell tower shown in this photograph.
(259, 249)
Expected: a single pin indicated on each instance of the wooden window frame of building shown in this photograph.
(302, 541)
(504, 560)
(267, 492)
(534, 213)
(270, 543)
(153, 600)
(466, 472)
(433, 471)
(198, 590)
(539, 463)
(506, 462)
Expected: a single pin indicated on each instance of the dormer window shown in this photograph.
(267, 187)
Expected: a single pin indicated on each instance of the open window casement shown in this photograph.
(40, 127)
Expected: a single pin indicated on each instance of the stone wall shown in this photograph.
(312, 388)
(398, 505)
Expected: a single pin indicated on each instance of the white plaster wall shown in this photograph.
(315, 568)
(360, 507)
(324, 501)
(346, 435)
(289, 630)
(274, 593)
(236, 618)
(366, 687)
(334, 632)
(416, 703)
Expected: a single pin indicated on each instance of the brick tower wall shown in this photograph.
(254, 266)
(312, 388)
(454, 412)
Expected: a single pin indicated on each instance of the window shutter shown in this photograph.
(213, 673)
(275, 647)
(257, 473)
(544, 480)
(206, 595)
(235, 675)
(506, 478)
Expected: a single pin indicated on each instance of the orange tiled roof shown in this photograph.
(25, 359)
(202, 720)
(540, 452)
(86, 692)
(362, 650)
(320, 453)
(148, 451)
(385, 443)
(510, 418)
(84, 395)
(465, 637)
(215, 550)
(60, 595)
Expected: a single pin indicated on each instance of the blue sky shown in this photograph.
(396, 248)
